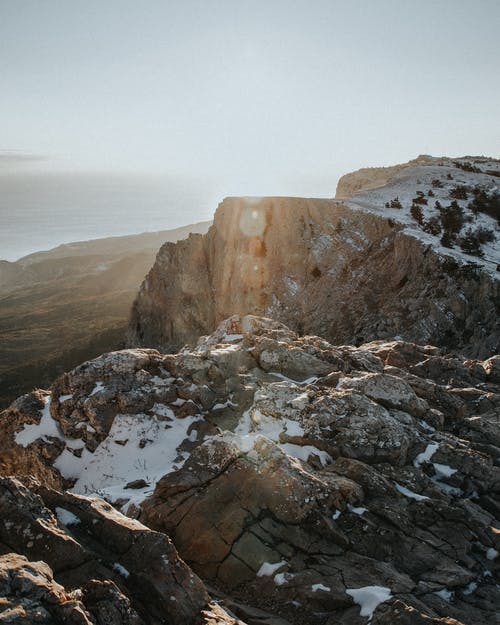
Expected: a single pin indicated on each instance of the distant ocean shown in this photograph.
(40, 211)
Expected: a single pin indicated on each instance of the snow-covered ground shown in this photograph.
(405, 184)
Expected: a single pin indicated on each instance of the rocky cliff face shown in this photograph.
(347, 270)
(303, 481)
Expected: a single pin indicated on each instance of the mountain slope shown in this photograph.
(65, 305)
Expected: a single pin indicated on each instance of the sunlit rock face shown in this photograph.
(348, 270)
(262, 256)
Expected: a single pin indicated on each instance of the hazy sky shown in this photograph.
(274, 96)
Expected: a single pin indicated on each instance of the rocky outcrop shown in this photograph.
(374, 177)
(350, 271)
(302, 481)
(71, 559)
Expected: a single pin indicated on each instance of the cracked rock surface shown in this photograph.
(303, 482)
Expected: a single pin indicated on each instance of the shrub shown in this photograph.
(432, 226)
(430, 193)
(395, 203)
(437, 184)
(447, 240)
(489, 204)
(452, 218)
(467, 167)
(459, 192)
(484, 235)
(416, 213)
(420, 198)
(470, 243)
(449, 176)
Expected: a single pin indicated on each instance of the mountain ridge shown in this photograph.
(349, 270)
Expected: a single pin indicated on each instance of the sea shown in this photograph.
(39, 211)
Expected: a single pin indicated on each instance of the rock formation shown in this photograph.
(349, 270)
(71, 559)
(301, 481)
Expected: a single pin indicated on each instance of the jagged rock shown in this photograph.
(30, 595)
(286, 470)
(136, 575)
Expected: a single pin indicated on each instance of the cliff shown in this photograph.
(347, 270)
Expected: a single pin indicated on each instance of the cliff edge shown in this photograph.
(350, 270)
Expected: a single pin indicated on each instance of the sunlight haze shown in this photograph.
(278, 97)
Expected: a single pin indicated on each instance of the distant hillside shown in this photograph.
(69, 304)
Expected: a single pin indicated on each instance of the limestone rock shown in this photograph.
(120, 571)
(348, 270)
(290, 474)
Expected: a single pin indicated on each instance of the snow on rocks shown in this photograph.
(282, 482)
(65, 517)
(268, 569)
(369, 598)
(426, 455)
(437, 179)
(45, 429)
(409, 493)
(138, 447)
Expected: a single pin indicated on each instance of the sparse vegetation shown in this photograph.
(395, 203)
(416, 213)
(489, 204)
(437, 184)
(459, 192)
(432, 226)
(470, 243)
(467, 167)
(420, 198)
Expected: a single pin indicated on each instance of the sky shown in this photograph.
(274, 97)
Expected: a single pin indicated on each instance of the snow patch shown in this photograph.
(316, 587)
(444, 594)
(369, 598)
(65, 517)
(443, 470)
(355, 510)
(470, 588)
(150, 452)
(426, 455)
(409, 493)
(491, 553)
(268, 569)
(97, 388)
(230, 338)
(45, 429)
